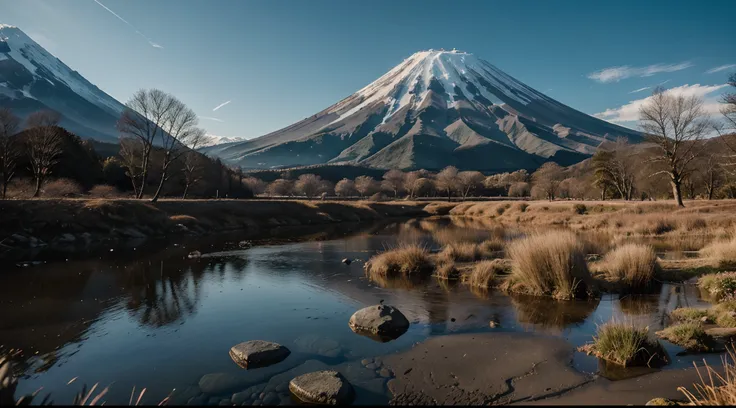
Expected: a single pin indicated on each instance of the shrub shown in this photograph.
(404, 260)
(691, 224)
(522, 207)
(625, 344)
(722, 251)
(689, 335)
(502, 208)
(484, 273)
(551, 263)
(104, 191)
(657, 226)
(580, 208)
(719, 285)
(461, 252)
(447, 270)
(62, 188)
(633, 265)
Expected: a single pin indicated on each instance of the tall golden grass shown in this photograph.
(632, 265)
(723, 251)
(717, 389)
(551, 264)
(406, 259)
(484, 273)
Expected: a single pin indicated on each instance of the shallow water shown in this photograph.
(158, 320)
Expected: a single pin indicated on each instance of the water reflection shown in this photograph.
(164, 321)
(549, 313)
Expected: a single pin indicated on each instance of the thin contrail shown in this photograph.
(221, 105)
(153, 44)
(211, 118)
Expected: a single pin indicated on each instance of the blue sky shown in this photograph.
(279, 61)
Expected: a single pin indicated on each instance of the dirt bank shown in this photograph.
(507, 368)
(80, 223)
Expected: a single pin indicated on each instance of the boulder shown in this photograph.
(322, 387)
(380, 322)
(258, 353)
(660, 401)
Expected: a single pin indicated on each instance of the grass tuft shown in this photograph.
(723, 251)
(549, 264)
(719, 389)
(632, 265)
(626, 345)
(484, 273)
(409, 259)
(688, 314)
(721, 286)
(447, 270)
(689, 335)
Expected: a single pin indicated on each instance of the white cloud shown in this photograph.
(630, 111)
(640, 89)
(153, 44)
(615, 74)
(720, 68)
(220, 105)
(211, 118)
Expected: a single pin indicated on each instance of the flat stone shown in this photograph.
(182, 396)
(258, 353)
(322, 387)
(383, 322)
(721, 331)
(366, 361)
(257, 402)
(371, 366)
(225, 403)
(198, 400)
(385, 373)
(240, 397)
(283, 387)
(271, 399)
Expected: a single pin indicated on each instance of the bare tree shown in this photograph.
(468, 181)
(365, 185)
(547, 179)
(143, 121)
(9, 149)
(677, 125)
(179, 131)
(308, 184)
(193, 164)
(44, 144)
(280, 187)
(709, 174)
(345, 188)
(130, 155)
(447, 180)
(255, 185)
(614, 166)
(412, 183)
(393, 180)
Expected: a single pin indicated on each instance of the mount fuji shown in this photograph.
(32, 79)
(436, 108)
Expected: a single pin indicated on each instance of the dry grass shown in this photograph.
(719, 389)
(549, 264)
(626, 345)
(447, 271)
(469, 251)
(484, 273)
(724, 314)
(403, 260)
(631, 265)
(689, 335)
(722, 251)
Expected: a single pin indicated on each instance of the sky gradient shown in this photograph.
(250, 67)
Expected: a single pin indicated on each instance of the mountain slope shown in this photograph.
(32, 79)
(436, 108)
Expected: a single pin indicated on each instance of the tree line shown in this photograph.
(159, 135)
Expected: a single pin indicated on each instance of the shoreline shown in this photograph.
(76, 225)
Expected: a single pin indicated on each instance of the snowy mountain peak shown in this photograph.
(31, 78)
(450, 75)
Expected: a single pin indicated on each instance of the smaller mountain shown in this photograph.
(32, 79)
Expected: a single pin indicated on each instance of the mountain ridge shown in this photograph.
(436, 108)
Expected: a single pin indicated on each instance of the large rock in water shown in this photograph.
(322, 387)
(258, 353)
(380, 322)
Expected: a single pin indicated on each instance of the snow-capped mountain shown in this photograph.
(32, 79)
(214, 140)
(436, 108)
